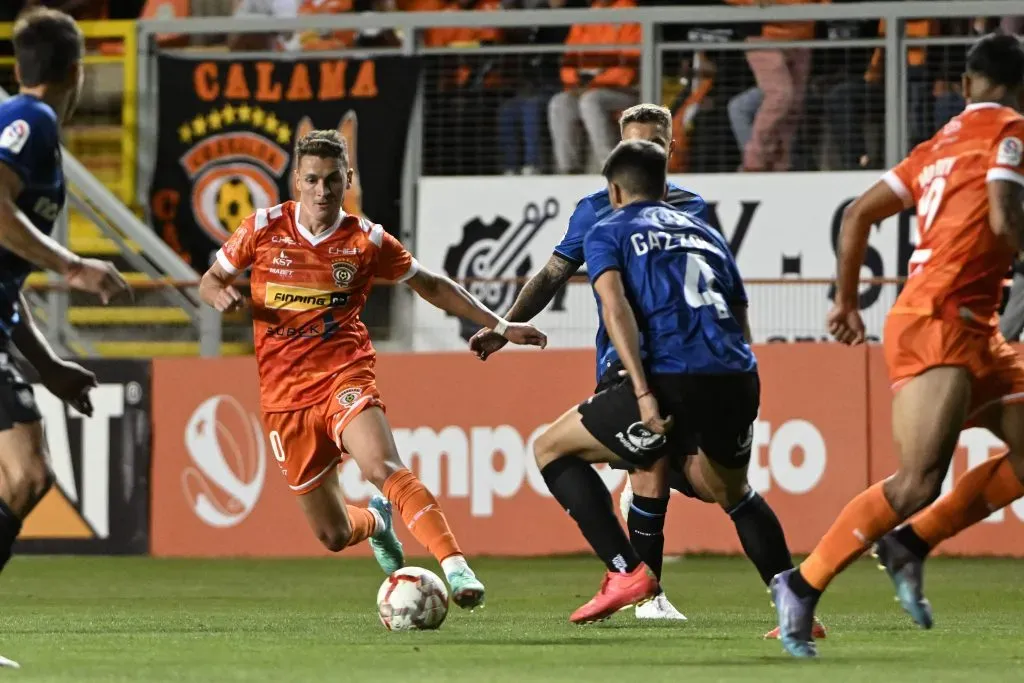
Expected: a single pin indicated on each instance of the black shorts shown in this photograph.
(713, 412)
(17, 400)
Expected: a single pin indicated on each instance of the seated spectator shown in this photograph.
(782, 77)
(340, 40)
(462, 94)
(849, 105)
(268, 9)
(597, 86)
(535, 79)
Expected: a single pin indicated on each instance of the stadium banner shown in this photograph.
(780, 226)
(228, 126)
(99, 503)
(217, 491)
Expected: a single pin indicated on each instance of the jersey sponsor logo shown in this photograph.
(344, 272)
(639, 439)
(291, 298)
(225, 443)
(283, 260)
(281, 271)
(1010, 152)
(498, 250)
(313, 329)
(14, 136)
(343, 251)
(47, 209)
(283, 239)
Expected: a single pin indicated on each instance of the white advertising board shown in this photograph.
(779, 226)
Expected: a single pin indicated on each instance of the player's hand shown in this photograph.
(486, 342)
(228, 299)
(70, 382)
(650, 414)
(846, 325)
(525, 334)
(98, 277)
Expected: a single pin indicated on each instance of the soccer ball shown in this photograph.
(412, 599)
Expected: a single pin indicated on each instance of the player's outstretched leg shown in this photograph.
(564, 453)
(978, 493)
(338, 525)
(24, 480)
(368, 438)
(644, 512)
(928, 413)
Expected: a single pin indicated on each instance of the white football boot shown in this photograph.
(659, 608)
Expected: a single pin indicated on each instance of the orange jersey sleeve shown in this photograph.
(238, 252)
(393, 261)
(1007, 161)
(957, 269)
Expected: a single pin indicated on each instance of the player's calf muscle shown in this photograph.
(24, 475)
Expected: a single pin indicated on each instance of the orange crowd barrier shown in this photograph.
(467, 427)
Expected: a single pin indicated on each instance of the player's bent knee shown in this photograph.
(335, 538)
(24, 480)
(545, 449)
(910, 491)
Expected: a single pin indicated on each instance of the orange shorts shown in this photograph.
(306, 443)
(914, 344)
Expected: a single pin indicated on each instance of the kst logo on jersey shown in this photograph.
(282, 260)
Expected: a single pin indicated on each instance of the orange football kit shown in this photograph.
(948, 311)
(946, 316)
(315, 359)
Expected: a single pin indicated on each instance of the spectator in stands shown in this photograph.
(340, 40)
(463, 93)
(597, 85)
(852, 105)
(742, 112)
(522, 120)
(782, 78)
(269, 9)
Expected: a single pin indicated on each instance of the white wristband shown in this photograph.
(501, 326)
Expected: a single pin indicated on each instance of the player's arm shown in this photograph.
(67, 381)
(1006, 211)
(19, 236)
(451, 297)
(541, 288)
(216, 289)
(622, 327)
(885, 198)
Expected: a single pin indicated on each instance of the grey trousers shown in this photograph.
(1011, 324)
(593, 109)
(742, 110)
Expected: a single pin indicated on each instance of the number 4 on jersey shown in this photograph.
(697, 268)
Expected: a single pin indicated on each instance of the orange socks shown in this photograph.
(980, 492)
(421, 513)
(864, 520)
(363, 524)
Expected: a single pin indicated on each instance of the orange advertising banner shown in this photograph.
(467, 429)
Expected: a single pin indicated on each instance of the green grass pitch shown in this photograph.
(146, 620)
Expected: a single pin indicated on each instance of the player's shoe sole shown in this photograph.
(387, 549)
(618, 591)
(906, 572)
(467, 590)
(818, 632)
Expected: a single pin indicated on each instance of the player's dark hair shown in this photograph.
(999, 58)
(325, 144)
(47, 45)
(638, 167)
(647, 113)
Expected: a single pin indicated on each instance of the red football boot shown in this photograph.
(618, 591)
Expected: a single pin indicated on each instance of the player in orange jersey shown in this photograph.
(312, 266)
(949, 366)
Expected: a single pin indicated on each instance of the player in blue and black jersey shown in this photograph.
(48, 49)
(646, 500)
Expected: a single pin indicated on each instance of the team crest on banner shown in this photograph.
(227, 131)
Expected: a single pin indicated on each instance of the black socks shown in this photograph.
(646, 522)
(579, 489)
(761, 536)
